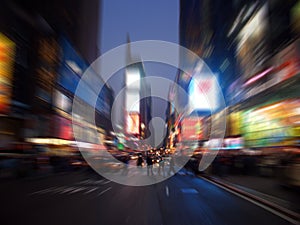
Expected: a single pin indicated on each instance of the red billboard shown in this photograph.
(192, 129)
(63, 128)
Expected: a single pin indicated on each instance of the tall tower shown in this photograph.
(137, 100)
(133, 73)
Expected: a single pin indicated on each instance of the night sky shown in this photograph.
(142, 20)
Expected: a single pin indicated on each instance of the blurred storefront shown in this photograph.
(37, 77)
(14, 90)
(268, 115)
(272, 125)
(264, 100)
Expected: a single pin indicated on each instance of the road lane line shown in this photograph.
(167, 191)
(58, 190)
(77, 190)
(89, 191)
(67, 190)
(107, 182)
(42, 191)
(102, 192)
(291, 220)
(84, 181)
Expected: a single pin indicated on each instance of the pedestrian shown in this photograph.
(149, 165)
(172, 164)
(126, 165)
(161, 166)
(140, 161)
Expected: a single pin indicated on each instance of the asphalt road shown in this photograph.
(83, 198)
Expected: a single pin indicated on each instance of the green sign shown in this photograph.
(120, 146)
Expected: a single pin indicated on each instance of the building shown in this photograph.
(267, 47)
(41, 36)
(171, 114)
(202, 30)
(138, 102)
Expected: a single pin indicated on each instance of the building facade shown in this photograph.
(44, 37)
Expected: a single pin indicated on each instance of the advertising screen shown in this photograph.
(72, 66)
(203, 93)
(132, 78)
(192, 128)
(133, 123)
(63, 128)
(235, 123)
(68, 79)
(7, 54)
(71, 69)
(253, 34)
(272, 125)
(133, 102)
(233, 143)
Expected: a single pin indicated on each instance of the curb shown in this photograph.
(273, 206)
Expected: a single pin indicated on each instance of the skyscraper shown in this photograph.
(137, 98)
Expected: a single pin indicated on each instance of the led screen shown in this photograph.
(133, 123)
(203, 93)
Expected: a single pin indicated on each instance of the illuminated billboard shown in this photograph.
(133, 123)
(132, 101)
(132, 82)
(7, 54)
(203, 93)
(192, 128)
(63, 128)
(70, 71)
(233, 143)
(235, 123)
(72, 66)
(251, 58)
(272, 125)
(133, 78)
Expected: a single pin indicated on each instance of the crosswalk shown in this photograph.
(96, 187)
(84, 187)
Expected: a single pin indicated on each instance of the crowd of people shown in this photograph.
(160, 159)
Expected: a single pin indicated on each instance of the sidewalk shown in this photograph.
(266, 188)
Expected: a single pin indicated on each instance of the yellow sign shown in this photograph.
(7, 53)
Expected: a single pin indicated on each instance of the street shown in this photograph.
(150, 112)
(86, 198)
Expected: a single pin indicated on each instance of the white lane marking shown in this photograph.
(77, 190)
(91, 190)
(107, 182)
(94, 182)
(58, 190)
(256, 203)
(84, 181)
(102, 192)
(42, 191)
(98, 181)
(71, 190)
(101, 182)
(167, 191)
(67, 190)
